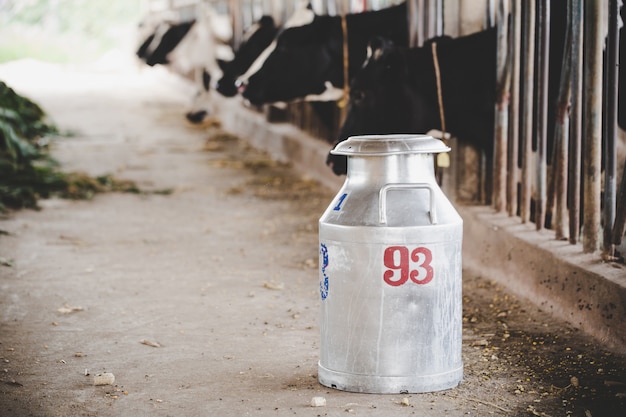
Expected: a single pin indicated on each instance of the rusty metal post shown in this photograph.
(542, 111)
(575, 141)
(503, 85)
(439, 21)
(433, 18)
(620, 218)
(561, 135)
(514, 115)
(528, 46)
(610, 123)
(416, 23)
(592, 126)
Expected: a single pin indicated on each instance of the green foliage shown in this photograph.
(26, 170)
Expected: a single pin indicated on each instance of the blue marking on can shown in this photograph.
(324, 284)
(340, 202)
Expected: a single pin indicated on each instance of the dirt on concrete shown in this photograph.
(200, 293)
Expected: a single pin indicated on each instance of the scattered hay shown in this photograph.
(222, 136)
(81, 186)
(212, 146)
(259, 164)
(271, 180)
(276, 187)
(226, 163)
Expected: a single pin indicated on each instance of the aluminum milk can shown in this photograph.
(390, 272)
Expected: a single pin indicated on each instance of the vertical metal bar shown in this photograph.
(413, 23)
(492, 12)
(428, 19)
(528, 44)
(418, 15)
(620, 218)
(439, 21)
(541, 91)
(433, 16)
(561, 135)
(592, 139)
(575, 121)
(610, 123)
(542, 112)
(514, 116)
(503, 85)
(267, 8)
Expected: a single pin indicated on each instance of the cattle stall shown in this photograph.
(560, 173)
(523, 181)
(320, 119)
(551, 164)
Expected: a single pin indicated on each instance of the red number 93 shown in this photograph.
(396, 258)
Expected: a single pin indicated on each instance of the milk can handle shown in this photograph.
(382, 200)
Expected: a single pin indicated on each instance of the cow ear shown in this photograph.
(266, 21)
(377, 46)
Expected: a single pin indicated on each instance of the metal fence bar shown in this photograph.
(576, 121)
(543, 33)
(561, 136)
(514, 115)
(610, 123)
(503, 86)
(620, 217)
(528, 46)
(592, 126)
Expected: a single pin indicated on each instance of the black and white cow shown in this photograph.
(193, 49)
(162, 41)
(200, 53)
(306, 61)
(257, 38)
(396, 91)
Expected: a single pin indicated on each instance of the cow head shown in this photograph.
(388, 95)
(166, 37)
(203, 44)
(257, 39)
(300, 63)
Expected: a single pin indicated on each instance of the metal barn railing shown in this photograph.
(558, 182)
(565, 194)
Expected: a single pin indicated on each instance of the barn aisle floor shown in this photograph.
(200, 294)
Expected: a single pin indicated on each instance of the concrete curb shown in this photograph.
(556, 276)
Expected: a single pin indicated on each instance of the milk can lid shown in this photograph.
(378, 145)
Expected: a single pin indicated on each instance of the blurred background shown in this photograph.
(67, 31)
